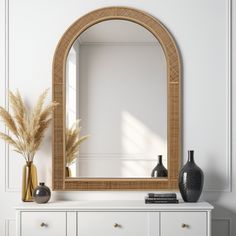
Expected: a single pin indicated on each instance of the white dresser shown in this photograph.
(114, 218)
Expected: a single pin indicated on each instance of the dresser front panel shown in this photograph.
(183, 224)
(118, 223)
(43, 224)
(114, 218)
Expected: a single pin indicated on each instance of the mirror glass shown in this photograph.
(116, 85)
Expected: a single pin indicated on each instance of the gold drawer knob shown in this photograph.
(184, 226)
(43, 224)
(117, 225)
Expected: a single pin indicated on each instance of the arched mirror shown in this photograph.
(117, 70)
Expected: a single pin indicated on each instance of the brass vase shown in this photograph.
(29, 181)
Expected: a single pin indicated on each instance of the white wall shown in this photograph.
(30, 31)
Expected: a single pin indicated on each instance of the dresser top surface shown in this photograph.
(135, 205)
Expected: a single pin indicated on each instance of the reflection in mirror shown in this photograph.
(116, 83)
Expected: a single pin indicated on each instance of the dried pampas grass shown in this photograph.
(27, 128)
(73, 142)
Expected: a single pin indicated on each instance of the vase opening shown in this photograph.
(190, 156)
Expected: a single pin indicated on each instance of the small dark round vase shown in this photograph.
(191, 180)
(42, 193)
(159, 170)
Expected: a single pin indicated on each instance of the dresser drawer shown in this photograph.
(114, 223)
(183, 224)
(43, 223)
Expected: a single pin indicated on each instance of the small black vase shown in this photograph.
(42, 193)
(159, 170)
(191, 180)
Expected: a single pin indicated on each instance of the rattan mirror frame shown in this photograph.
(174, 104)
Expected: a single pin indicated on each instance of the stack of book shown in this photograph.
(161, 198)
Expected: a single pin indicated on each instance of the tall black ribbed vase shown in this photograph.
(191, 180)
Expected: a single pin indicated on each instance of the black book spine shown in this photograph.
(162, 195)
(161, 198)
(147, 201)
